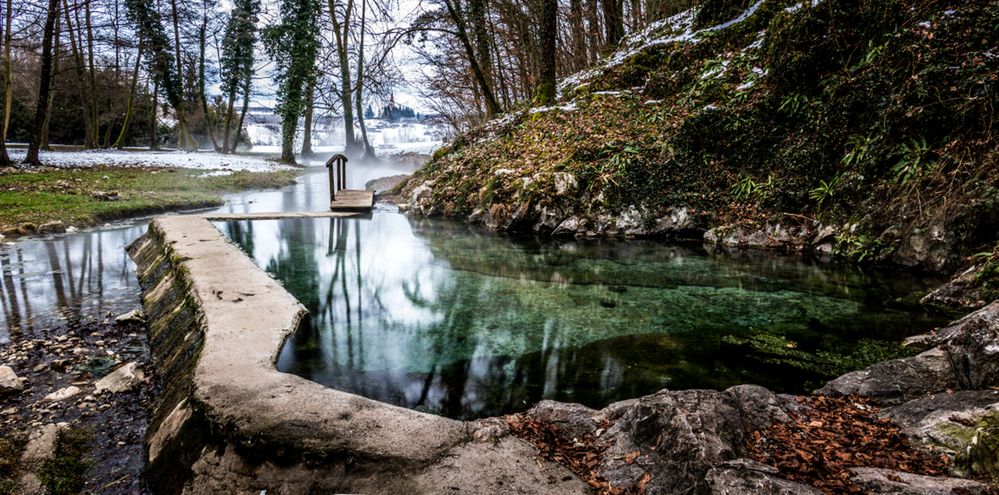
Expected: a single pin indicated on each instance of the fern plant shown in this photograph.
(860, 149)
(916, 158)
(825, 191)
(747, 188)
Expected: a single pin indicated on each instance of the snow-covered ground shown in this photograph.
(205, 160)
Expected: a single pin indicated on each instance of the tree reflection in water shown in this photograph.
(69, 277)
(443, 318)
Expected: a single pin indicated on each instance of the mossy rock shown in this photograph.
(976, 445)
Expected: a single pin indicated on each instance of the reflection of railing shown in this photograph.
(337, 166)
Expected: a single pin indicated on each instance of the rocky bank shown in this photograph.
(225, 420)
(811, 127)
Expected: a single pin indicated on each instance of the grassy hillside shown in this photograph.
(871, 118)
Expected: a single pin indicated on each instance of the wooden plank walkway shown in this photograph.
(278, 215)
(353, 200)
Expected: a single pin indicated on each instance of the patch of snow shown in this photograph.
(634, 44)
(757, 43)
(715, 72)
(925, 24)
(568, 107)
(216, 173)
(950, 12)
(743, 16)
(760, 72)
(746, 85)
(794, 8)
(180, 159)
(652, 102)
(710, 106)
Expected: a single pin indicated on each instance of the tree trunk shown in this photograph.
(477, 14)
(184, 138)
(43, 83)
(95, 124)
(8, 86)
(549, 33)
(230, 110)
(153, 117)
(202, 41)
(613, 23)
(120, 142)
(242, 114)
(57, 47)
(593, 31)
(492, 107)
(76, 46)
(309, 110)
(636, 18)
(346, 88)
(369, 152)
(577, 51)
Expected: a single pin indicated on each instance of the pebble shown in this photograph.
(63, 393)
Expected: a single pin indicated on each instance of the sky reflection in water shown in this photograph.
(443, 318)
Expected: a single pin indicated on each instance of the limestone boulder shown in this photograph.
(676, 437)
(742, 476)
(963, 424)
(930, 247)
(962, 291)
(887, 481)
(898, 380)
(972, 343)
(132, 317)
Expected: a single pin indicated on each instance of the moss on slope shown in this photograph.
(868, 112)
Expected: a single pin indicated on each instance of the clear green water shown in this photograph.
(444, 318)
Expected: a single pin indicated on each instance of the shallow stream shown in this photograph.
(445, 318)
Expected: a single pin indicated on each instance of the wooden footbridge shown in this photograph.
(341, 198)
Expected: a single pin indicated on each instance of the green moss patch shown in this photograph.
(84, 197)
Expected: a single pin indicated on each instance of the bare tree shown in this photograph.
(8, 85)
(43, 83)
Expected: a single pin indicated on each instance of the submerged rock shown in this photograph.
(134, 316)
(124, 379)
(9, 381)
(63, 393)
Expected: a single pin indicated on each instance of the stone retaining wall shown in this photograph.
(225, 418)
(226, 421)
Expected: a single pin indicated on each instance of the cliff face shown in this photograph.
(860, 127)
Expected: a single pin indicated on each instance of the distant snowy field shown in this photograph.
(206, 160)
(385, 137)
